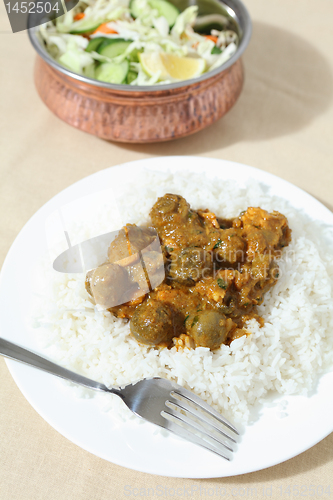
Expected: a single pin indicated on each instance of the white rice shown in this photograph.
(287, 355)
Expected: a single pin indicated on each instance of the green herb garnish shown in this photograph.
(222, 284)
(217, 244)
(195, 320)
(168, 249)
(186, 318)
(216, 50)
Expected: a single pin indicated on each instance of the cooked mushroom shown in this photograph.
(208, 328)
(107, 284)
(152, 323)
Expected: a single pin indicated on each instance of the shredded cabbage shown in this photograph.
(149, 32)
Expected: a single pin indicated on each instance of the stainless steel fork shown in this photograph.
(157, 400)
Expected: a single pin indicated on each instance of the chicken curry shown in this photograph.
(192, 278)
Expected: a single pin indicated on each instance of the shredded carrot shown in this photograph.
(103, 28)
(79, 16)
(212, 38)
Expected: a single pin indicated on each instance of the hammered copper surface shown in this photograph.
(138, 117)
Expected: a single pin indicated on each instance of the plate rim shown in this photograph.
(265, 178)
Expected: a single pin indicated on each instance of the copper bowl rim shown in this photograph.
(243, 21)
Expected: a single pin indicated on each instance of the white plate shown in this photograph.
(135, 445)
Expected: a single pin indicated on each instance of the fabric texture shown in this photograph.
(282, 124)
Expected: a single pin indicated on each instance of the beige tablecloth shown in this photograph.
(282, 123)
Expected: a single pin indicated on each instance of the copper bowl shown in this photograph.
(141, 114)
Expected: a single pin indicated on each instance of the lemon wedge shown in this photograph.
(171, 66)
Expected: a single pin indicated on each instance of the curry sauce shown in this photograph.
(215, 273)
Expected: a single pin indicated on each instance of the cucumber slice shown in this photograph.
(113, 47)
(89, 71)
(131, 76)
(166, 9)
(112, 72)
(85, 26)
(216, 50)
(134, 55)
(136, 9)
(94, 44)
(163, 7)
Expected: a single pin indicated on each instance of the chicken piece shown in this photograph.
(130, 240)
(179, 298)
(131, 250)
(189, 265)
(256, 242)
(145, 274)
(154, 268)
(146, 269)
(137, 275)
(230, 246)
(209, 217)
(263, 230)
(255, 279)
(216, 287)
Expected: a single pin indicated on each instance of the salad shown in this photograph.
(136, 42)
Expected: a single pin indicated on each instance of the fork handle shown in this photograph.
(13, 351)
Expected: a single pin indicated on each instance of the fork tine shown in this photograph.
(186, 395)
(190, 411)
(174, 425)
(187, 418)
